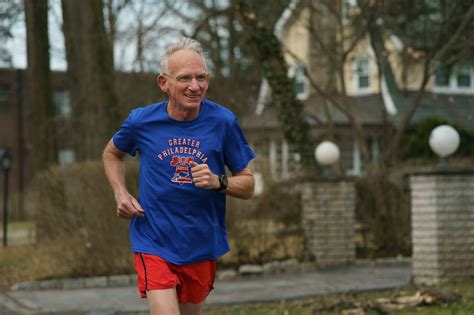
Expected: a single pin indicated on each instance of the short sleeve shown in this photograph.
(124, 138)
(237, 152)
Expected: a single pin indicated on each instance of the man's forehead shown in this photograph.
(186, 59)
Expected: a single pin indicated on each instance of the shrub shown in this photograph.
(416, 142)
(267, 227)
(77, 230)
(383, 207)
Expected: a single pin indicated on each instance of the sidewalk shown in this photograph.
(19, 236)
(125, 300)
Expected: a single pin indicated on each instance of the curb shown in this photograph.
(77, 283)
(131, 280)
(384, 262)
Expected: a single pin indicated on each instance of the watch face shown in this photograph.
(223, 182)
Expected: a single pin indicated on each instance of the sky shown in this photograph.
(125, 46)
(17, 44)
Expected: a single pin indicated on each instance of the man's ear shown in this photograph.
(162, 83)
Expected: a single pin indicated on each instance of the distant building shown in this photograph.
(134, 89)
(448, 94)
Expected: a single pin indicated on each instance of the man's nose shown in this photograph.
(194, 85)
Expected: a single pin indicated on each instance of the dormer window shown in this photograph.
(361, 81)
(363, 77)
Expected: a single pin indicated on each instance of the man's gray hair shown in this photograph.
(184, 43)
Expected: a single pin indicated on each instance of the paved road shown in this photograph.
(125, 300)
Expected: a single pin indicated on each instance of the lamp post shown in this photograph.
(444, 141)
(327, 153)
(6, 164)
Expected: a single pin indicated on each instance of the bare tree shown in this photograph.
(439, 32)
(10, 13)
(146, 32)
(432, 35)
(113, 10)
(91, 74)
(42, 124)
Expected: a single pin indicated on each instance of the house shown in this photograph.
(311, 34)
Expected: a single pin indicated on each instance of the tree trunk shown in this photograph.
(276, 71)
(91, 74)
(42, 124)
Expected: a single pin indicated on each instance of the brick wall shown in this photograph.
(442, 226)
(328, 221)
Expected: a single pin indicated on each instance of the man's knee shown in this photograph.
(191, 309)
(163, 302)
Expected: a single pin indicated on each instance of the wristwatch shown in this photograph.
(223, 182)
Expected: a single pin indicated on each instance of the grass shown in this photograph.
(17, 263)
(19, 225)
(343, 303)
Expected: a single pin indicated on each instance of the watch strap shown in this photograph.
(223, 183)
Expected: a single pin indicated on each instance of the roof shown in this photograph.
(457, 109)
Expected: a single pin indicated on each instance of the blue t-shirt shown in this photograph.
(183, 223)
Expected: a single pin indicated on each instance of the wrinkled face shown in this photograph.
(187, 81)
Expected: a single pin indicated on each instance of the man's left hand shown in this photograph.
(203, 177)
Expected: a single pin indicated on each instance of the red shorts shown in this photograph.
(193, 282)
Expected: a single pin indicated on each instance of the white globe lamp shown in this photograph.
(444, 140)
(327, 153)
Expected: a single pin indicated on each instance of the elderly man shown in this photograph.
(177, 227)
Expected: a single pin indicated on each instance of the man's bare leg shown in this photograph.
(191, 309)
(163, 302)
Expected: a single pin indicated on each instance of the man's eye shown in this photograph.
(201, 77)
(184, 79)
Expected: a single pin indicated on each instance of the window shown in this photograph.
(62, 103)
(442, 77)
(354, 163)
(5, 58)
(463, 78)
(345, 10)
(66, 157)
(458, 79)
(363, 79)
(3, 98)
(374, 150)
(301, 84)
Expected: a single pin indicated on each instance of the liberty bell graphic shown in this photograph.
(181, 172)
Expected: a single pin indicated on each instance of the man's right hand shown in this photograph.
(128, 206)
